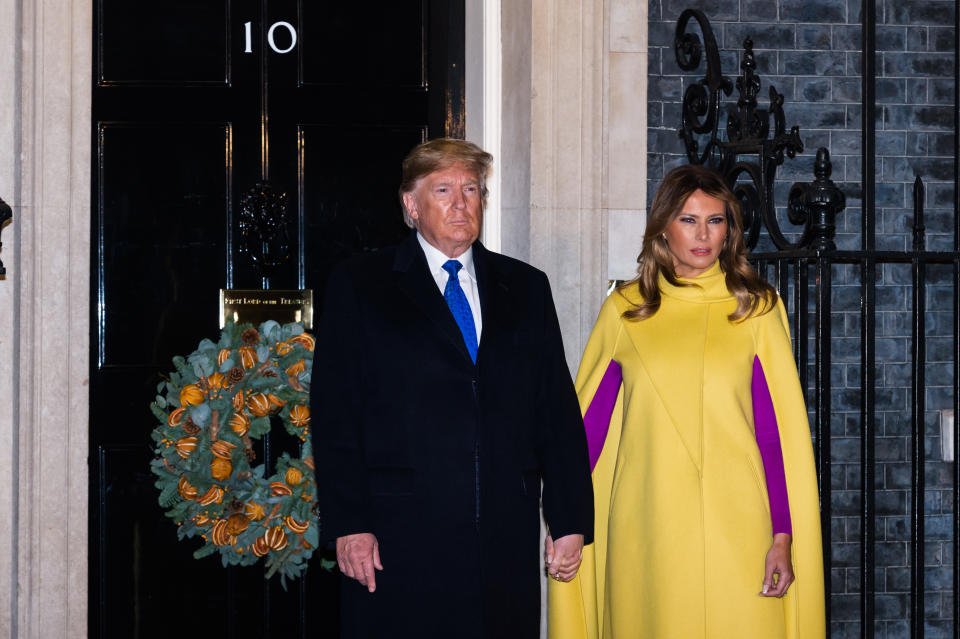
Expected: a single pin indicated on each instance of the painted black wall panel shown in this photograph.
(175, 41)
(334, 53)
(149, 579)
(356, 209)
(162, 228)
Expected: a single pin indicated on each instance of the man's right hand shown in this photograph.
(357, 556)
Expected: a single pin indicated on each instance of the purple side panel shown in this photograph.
(596, 420)
(768, 441)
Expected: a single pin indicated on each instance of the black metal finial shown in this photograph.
(919, 230)
(6, 213)
(748, 60)
(822, 167)
(815, 205)
(749, 121)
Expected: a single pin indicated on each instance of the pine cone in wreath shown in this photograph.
(235, 375)
(190, 427)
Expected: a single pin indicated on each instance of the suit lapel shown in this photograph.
(415, 281)
(494, 297)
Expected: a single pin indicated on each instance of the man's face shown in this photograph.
(447, 208)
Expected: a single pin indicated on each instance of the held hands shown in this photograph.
(562, 557)
(778, 563)
(357, 556)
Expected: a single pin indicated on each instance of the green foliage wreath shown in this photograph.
(211, 409)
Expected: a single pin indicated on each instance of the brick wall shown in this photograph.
(810, 50)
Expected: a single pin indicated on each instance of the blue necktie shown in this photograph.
(457, 302)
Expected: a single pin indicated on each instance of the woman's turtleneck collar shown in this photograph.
(709, 286)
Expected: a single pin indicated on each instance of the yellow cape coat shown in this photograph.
(682, 514)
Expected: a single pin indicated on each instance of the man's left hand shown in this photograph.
(562, 557)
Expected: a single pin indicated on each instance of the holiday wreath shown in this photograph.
(212, 408)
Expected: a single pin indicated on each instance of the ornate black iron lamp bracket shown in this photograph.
(6, 213)
(264, 238)
(748, 129)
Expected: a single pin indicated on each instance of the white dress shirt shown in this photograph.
(467, 276)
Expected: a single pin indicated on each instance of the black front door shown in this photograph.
(194, 103)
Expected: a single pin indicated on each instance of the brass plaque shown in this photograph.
(256, 307)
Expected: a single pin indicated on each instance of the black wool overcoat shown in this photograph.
(441, 458)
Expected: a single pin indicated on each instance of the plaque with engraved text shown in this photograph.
(256, 307)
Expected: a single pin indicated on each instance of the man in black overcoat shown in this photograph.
(440, 400)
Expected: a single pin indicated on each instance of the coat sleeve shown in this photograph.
(575, 609)
(336, 400)
(767, 433)
(804, 601)
(567, 493)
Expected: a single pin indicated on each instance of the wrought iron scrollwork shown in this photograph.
(748, 129)
(264, 238)
(701, 100)
(6, 213)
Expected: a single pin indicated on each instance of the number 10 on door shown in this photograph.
(247, 33)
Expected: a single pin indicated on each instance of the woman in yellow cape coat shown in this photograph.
(682, 513)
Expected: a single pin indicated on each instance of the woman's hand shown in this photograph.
(778, 563)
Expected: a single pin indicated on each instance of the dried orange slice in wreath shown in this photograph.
(211, 410)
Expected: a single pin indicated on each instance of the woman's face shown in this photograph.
(695, 236)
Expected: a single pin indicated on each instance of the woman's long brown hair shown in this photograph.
(754, 296)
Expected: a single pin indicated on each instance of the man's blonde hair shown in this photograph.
(439, 154)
